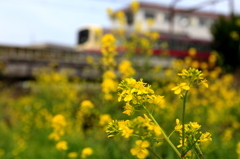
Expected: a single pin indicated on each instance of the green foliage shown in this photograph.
(226, 40)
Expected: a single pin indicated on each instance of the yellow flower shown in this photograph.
(59, 120)
(87, 104)
(72, 155)
(150, 21)
(123, 127)
(192, 52)
(178, 126)
(205, 137)
(126, 69)
(204, 83)
(238, 148)
(195, 125)
(129, 110)
(86, 152)
(104, 119)
(178, 89)
(234, 35)
(110, 12)
(155, 36)
(140, 150)
(62, 145)
(90, 59)
(134, 6)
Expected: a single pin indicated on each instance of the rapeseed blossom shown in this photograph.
(72, 155)
(134, 6)
(141, 149)
(86, 152)
(191, 130)
(61, 145)
(136, 92)
(105, 119)
(124, 128)
(238, 149)
(126, 69)
(192, 76)
(87, 104)
(182, 86)
(58, 124)
(108, 51)
(192, 52)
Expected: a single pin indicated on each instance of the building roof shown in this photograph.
(157, 6)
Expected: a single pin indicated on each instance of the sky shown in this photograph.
(27, 22)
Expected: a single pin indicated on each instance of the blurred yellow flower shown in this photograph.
(154, 35)
(87, 104)
(204, 83)
(61, 145)
(192, 51)
(72, 155)
(89, 59)
(105, 119)
(234, 35)
(86, 152)
(238, 148)
(140, 150)
(150, 22)
(134, 6)
(126, 69)
(110, 12)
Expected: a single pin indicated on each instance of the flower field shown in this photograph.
(58, 117)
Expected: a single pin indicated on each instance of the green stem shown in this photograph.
(200, 152)
(183, 118)
(165, 136)
(171, 134)
(151, 149)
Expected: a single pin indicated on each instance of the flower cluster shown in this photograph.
(140, 126)
(193, 136)
(58, 124)
(109, 84)
(108, 51)
(126, 69)
(192, 77)
(135, 94)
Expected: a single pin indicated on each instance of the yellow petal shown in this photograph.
(174, 88)
(178, 91)
(186, 87)
(145, 144)
(142, 153)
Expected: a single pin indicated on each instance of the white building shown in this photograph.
(193, 24)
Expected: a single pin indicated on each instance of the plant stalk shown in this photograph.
(183, 119)
(165, 136)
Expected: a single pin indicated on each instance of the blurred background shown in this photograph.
(40, 21)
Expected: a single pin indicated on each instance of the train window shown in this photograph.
(149, 15)
(129, 17)
(166, 17)
(83, 36)
(201, 22)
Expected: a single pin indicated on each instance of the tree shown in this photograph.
(226, 41)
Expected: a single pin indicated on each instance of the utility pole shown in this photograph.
(171, 17)
(231, 7)
(193, 9)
